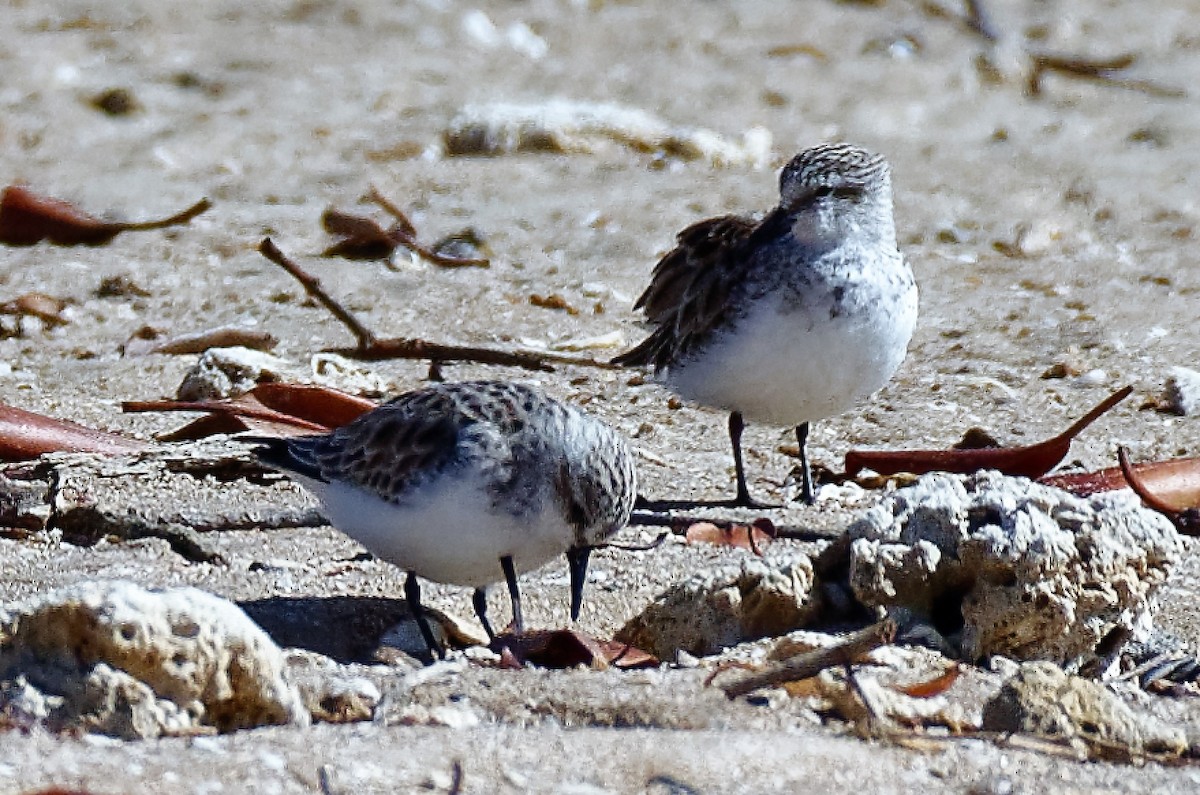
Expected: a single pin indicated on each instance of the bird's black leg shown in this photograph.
(412, 594)
(479, 600)
(736, 425)
(802, 440)
(577, 563)
(743, 499)
(510, 577)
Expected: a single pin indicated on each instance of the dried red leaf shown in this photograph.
(1084, 484)
(320, 404)
(623, 656)
(1176, 482)
(1172, 490)
(567, 648)
(752, 537)
(223, 425)
(1031, 461)
(26, 218)
(551, 648)
(272, 409)
(25, 435)
(934, 687)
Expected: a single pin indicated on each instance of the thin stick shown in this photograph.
(178, 218)
(393, 210)
(811, 663)
(415, 348)
(978, 21)
(312, 286)
(1100, 70)
(874, 720)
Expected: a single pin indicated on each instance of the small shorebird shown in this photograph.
(468, 484)
(790, 319)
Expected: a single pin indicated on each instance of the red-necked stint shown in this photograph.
(469, 484)
(790, 319)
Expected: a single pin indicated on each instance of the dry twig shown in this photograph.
(811, 663)
(372, 348)
(1100, 70)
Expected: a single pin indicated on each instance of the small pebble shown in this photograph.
(115, 102)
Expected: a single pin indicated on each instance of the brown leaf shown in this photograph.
(934, 687)
(753, 537)
(44, 307)
(26, 218)
(359, 237)
(553, 301)
(1031, 461)
(804, 688)
(25, 435)
(143, 342)
(273, 409)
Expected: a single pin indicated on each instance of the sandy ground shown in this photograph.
(1056, 229)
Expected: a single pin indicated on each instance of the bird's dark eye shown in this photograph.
(837, 192)
(843, 192)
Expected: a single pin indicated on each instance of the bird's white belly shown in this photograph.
(449, 534)
(791, 367)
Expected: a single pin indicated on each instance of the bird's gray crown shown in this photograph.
(833, 165)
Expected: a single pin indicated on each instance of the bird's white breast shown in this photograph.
(785, 364)
(449, 532)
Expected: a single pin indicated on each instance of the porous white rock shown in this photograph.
(332, 693)
(1043, 699)
(724, 605)
(1007, 566)
(116, 658)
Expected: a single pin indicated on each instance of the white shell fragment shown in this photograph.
(581, 127)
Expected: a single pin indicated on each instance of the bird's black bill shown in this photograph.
(577, 563)
(479, 600)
